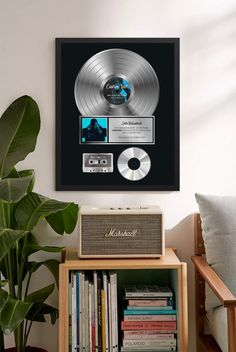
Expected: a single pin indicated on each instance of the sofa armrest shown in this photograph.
(216, 284)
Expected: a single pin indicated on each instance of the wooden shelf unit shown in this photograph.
(166, 270)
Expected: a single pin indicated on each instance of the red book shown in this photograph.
(148, 325)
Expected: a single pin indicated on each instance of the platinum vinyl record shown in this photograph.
(134, 164)
(116, 82)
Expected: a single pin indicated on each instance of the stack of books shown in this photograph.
(93, 317)
(149, 322)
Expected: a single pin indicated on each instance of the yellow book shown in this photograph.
(103, 322)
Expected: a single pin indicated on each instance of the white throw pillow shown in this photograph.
(218, 215)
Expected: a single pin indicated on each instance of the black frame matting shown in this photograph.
(163, 55)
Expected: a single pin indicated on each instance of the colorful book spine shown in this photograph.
(163, 317)
(114, 314)
(158, 308)
(149, 349)
(149, 343)
(103, 322)
(95, 280)
(70, 315)
(146, 335)
(148, 325)
(81, 296)
(148, 312)
(99, 298)
(105, 287)
(77, 311)
(109, 316)
(73, 314)
(151, 302)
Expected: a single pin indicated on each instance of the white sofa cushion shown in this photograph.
(217, 322)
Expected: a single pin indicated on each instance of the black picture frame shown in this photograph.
(68, 170)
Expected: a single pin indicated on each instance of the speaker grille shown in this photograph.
(147, 240)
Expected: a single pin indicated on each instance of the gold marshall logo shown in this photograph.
(117, 233)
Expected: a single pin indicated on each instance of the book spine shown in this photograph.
(147, 294)
(149, 343)
(86, 315)
(95, 309)
(81, 285)
(93, 318)
(150, 317)
(148, 312)
(116, 313)
(136, 335)
(77, 312)
(73, 315)
(99, 299)
(90, 317)
(110, 318)
(157, 308)
(70, 315)
(151, 302)
(103, 322)
(105, 287)
(149, 349)
(149, 325)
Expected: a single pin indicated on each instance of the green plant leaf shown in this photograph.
(3, 283)
(34, 207)
(51, 264)
(3, 299)
(19, 126)
(8, 239)
(32, 248)
(13, 313)
(13, 174)
(39, 310)
(14, 189)
(25, 173)
(41, 295)
(64, 221)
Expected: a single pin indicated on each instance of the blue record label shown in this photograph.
(117, 91)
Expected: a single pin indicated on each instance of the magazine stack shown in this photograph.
(93, 322)
(149, 322)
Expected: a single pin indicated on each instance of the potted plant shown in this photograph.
(21, 210)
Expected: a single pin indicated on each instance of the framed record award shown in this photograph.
(117, 114)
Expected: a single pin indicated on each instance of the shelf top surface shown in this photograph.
(169, 260)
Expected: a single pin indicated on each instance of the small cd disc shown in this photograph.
(134, 164)
(116, 82)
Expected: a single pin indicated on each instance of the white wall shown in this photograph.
(208, 100)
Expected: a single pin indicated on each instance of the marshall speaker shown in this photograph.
(121, 232)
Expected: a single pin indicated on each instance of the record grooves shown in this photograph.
(137, 85)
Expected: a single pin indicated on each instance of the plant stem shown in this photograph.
(27, 285)
(7, 224)
(19, 338)
(11, 284)
(27, 333)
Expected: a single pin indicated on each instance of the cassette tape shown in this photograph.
(98, 162)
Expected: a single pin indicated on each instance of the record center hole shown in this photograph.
(134, 164)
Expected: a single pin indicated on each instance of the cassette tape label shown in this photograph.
(127, 130)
